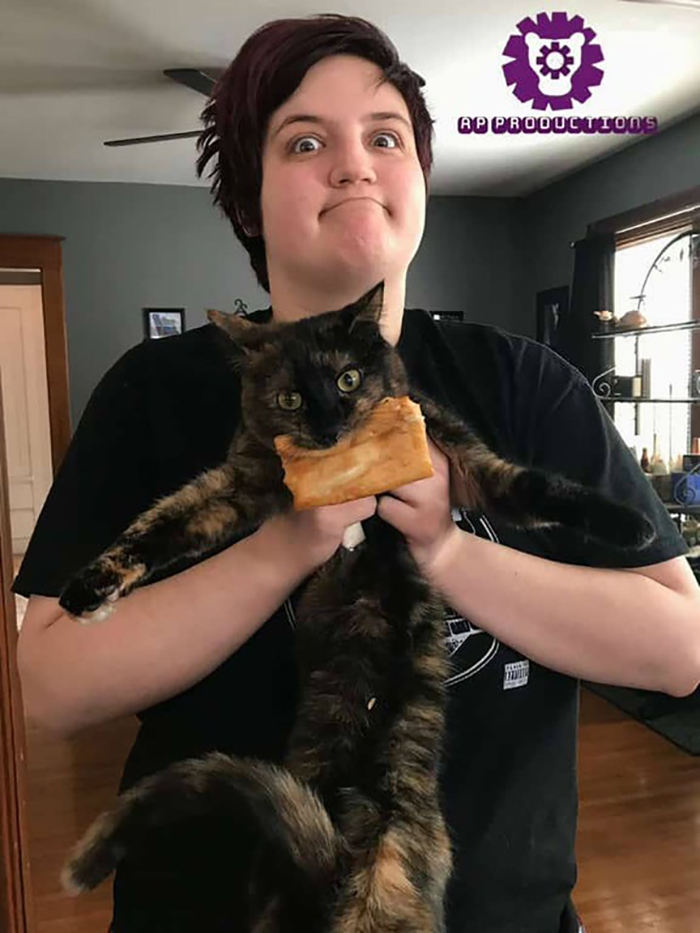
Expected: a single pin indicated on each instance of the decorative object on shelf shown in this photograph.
(163, 322)
(632, 319)
(607, 320)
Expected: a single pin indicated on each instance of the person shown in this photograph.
(320, 141)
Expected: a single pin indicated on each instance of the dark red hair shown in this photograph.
(268, 69)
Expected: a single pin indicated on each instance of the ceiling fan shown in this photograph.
(194, 78)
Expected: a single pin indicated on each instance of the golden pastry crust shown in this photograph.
(388, 451)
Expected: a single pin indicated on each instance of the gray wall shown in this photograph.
(552, 218)
(131, 246)
(127, 247)
(471, 260)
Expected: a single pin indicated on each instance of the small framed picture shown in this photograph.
(163, 322)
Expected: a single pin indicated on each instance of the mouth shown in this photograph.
(350, 201)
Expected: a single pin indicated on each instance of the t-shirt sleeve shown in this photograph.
(103, 483)
(563, 427)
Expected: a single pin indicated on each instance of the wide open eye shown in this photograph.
(350, 380)
(289, 401)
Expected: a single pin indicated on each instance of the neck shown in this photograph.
(294, 303)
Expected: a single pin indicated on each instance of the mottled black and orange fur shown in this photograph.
(351, 835)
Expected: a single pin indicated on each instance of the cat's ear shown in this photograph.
(247, 335)
(369, 307)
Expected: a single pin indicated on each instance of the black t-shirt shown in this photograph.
(167, 410)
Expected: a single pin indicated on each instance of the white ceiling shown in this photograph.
(74, 73)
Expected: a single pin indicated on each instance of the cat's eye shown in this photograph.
(350, 380)
(289, 401)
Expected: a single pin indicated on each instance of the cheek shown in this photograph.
(410, 201)
(290, 205)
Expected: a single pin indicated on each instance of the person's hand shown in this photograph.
(319, 532)
(422, 511)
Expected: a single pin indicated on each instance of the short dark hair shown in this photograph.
(267, 70)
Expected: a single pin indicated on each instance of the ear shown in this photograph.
(244, 333)
(367, 308)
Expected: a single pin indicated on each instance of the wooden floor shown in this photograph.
(639, 835)
(639, 827)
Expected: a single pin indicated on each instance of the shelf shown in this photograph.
(640, 331)
(676, 509)
(654, 401)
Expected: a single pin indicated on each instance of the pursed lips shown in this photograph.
(351, 199)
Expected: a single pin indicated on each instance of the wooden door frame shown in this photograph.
(16, 902)
(44, 253)
(16, 897)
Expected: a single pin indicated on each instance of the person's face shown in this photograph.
(343, 193)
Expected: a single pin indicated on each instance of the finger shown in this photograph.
(395, 512)
(413, 493)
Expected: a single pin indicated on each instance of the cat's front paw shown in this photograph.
(90, 595)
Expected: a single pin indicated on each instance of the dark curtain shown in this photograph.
(592, 290)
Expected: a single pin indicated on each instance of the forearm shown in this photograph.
(596, 624)
(161, 639)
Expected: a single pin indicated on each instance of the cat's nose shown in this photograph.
(329, 437)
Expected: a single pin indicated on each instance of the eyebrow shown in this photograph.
(312, 118)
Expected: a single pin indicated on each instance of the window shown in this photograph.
(655, 276)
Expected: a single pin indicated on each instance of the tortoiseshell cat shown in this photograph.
(351, 835)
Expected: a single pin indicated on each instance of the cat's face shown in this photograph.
(316, 379)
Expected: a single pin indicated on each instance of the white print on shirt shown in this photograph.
(516, 674)
(469, 648)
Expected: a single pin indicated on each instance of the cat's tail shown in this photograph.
(288, 814)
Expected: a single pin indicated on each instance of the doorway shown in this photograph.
(26, 408)
(34, 435)
(51, 787)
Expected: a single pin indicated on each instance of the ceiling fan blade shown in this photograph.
(137, 140)
(195, 78)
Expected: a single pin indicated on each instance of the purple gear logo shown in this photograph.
(554, 61)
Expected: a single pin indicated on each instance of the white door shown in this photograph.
(25, 394)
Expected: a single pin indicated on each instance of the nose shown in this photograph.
(353, 164)
(328, 437)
